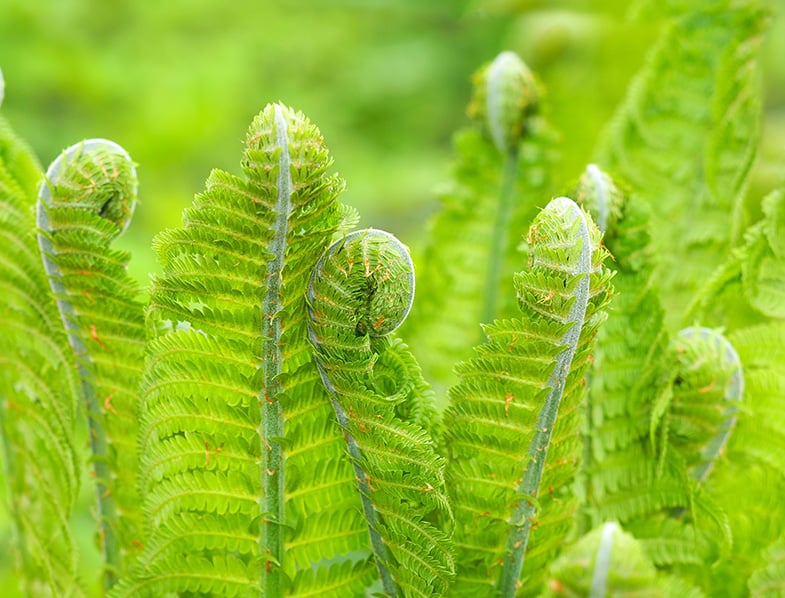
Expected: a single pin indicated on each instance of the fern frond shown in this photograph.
(511, 460)
(243, 465)
(606, 561)
(38, 390)
(710, 385)
(500, 172)
(623, 381)
(686, 134)
(86, 201)
(360, 292)
(769, 580)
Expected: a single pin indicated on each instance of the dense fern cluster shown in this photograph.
(599, 408)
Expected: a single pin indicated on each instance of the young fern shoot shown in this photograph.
(500, 172)
(361, 290)
(248, 489)
(85, 202)
(511, 427)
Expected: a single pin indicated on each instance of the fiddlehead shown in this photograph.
(624, 380)
(500, 172)
(708, 386)
(361, 290)
(86, 201)
(504, 440)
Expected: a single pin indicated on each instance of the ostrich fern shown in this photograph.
(599, 406)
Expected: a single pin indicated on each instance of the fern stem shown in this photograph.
(105, 504)
(271, 426)
(369, 511)
(499, 238)
(599, 579)
(525, 511)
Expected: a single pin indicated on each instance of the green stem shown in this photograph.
(602, 564)
(105, 504)
(525, 511)
(499, 238)
(271, 427)
(377, 542)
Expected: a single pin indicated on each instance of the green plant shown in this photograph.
(255, 426)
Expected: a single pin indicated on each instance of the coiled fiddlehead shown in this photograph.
(708, 385)
(361, 290)
(86, 201)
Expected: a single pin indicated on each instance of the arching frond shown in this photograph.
(686, 134)
(247, 486)
(87, 199)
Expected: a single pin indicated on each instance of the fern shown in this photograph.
(87, 200)
(247, 488)
(361, 290)
(606, 561)
(37, 390)
(686, 134)
(501, 173)
(623, 382)
(504, 443)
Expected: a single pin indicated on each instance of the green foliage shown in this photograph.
(86, 201)
(500, 177)
(38, 390)
(361, 290)
(510, 461)
(255, 427)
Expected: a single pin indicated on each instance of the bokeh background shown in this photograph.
(177, 82)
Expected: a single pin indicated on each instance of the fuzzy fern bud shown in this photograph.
(378, 293)
(505, 97)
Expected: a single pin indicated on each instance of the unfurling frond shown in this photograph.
(500, 175)
(247, 486)
(512, 429)
(361, 290)
(87, 199)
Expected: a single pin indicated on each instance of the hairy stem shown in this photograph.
(369, 511)
(271, 425)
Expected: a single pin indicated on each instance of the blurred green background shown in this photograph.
(177, 82)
